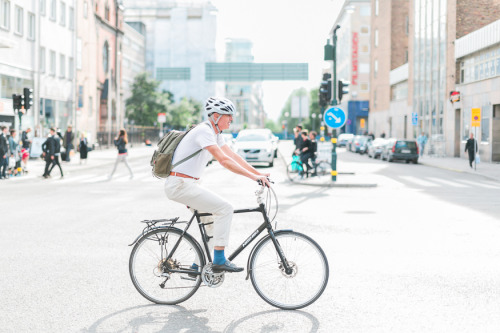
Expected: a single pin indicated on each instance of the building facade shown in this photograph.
(353, 62)
(134, 57)
(389, 61)
(247, 96)
(180, 40)
(450, 69)
(19, 38)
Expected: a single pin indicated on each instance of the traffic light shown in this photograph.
(16, 101)
(343, 89)
(28, 98)
(325, 92)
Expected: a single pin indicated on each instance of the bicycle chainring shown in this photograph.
(211, 279)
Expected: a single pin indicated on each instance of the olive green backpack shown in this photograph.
(162, 157)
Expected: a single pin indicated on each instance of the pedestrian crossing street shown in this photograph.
(435, 183)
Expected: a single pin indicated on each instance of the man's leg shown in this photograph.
(190, 193)
(48, 163)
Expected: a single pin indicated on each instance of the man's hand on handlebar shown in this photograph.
(263, 181)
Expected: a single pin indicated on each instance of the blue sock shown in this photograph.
(219, 258)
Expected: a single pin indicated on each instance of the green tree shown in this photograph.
(145, 103)
(184, 113)
(271, 124)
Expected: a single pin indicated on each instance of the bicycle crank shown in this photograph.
(211, 279)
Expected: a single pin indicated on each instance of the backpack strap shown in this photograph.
(187, 158)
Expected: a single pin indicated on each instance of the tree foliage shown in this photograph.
(146, 102)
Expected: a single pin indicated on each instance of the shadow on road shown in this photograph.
(175, 318)
(275, 321)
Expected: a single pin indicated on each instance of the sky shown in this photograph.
(281, 31)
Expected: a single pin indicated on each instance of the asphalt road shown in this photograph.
(417, 253)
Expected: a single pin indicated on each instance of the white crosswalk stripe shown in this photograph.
(447, 183)
(418, 181)
(480, 184)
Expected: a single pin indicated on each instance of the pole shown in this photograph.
(334, 102)
(474, 148)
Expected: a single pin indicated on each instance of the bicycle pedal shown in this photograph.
(188, 278)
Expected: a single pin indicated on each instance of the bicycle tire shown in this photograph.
(308, 279)
(147, 260)
(323, 168)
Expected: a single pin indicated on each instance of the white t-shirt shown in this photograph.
(198, 138)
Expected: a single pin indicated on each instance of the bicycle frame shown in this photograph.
(265, 225)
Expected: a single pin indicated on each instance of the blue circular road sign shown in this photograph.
(335, 117)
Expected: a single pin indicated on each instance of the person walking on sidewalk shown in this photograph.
(121, 144)
(471, 147)
(68, 142)
(25, 149)
(15, 154)
(49, 150)
(4, 152)
(183, 185)
(83, 148)
(57, 154)
(422, 140)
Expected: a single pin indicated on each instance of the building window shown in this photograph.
(62, 64)
(71, 18)
(406, 56)
(79, 53)
(63, 14)
(52, 63)
(43, 8)
(71, 69)
(375, 39)
(53, 9)
(375, 68)
(42, 60)
(31, 26)
(19, 20)
(105, 57)
(364, 86)
(407, 25)
(376, 7)
(5, 14)
(106, 12)
(85, 9)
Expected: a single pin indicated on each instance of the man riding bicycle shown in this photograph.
(183, 184)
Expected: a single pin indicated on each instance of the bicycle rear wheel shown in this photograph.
(150, 269)
(307, 280)
(323, 168)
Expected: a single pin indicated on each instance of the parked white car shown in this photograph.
(257, 146)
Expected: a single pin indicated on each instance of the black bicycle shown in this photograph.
(288, 270)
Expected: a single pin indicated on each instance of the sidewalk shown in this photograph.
(457, 164)
(95, 159)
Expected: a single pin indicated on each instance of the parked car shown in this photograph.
(344, 138)
(359, 144)
(401, 149)
(389, 143)
(375, 147)
(256, 145)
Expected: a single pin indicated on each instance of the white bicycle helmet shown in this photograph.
(218, 105)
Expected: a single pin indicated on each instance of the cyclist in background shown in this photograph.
(314, 151)
(183, 184)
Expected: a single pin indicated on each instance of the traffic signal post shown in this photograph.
(22, 103)
(333, 57)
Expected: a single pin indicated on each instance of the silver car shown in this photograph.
(256, 146)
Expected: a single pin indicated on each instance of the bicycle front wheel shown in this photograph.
(151, 271)
(323, 168)
(296, 289)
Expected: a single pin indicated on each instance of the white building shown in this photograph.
(55, 63)
(247, 96)
(18, 39)
(133, 57)
(180, 39)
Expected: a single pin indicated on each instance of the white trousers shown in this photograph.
(189, 192)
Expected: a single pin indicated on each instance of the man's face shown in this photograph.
(52, 133)
(225, 121)
(69, 129)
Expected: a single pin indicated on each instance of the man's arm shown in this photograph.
(230, 164)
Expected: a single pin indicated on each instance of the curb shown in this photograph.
(351, 185)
